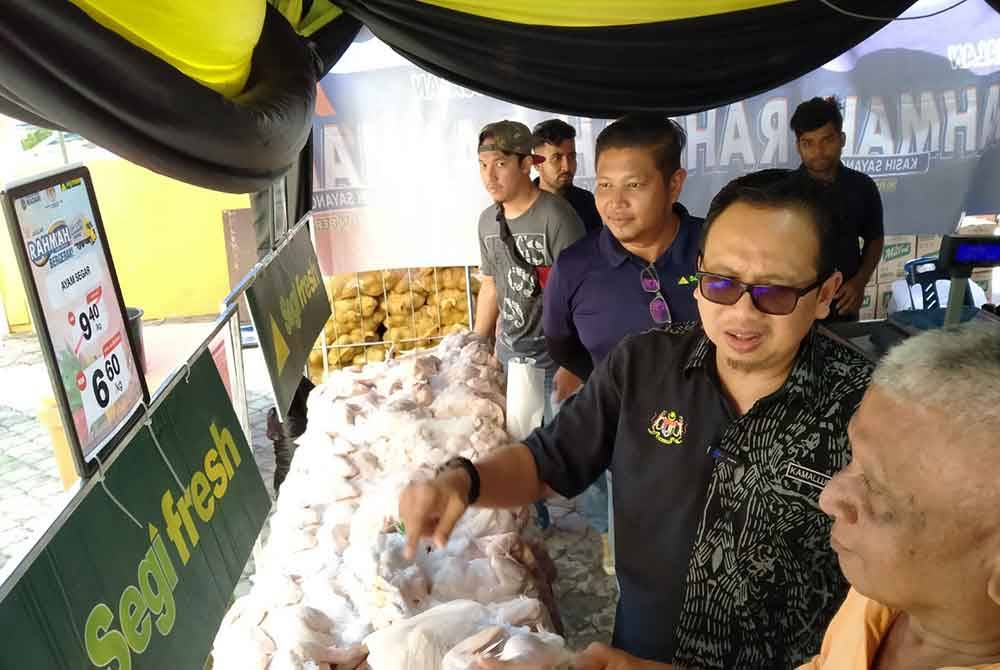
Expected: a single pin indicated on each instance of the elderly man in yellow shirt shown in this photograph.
(917, 511)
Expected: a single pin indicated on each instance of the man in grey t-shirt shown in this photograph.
(520, 236)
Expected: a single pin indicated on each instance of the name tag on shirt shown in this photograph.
(802, 474)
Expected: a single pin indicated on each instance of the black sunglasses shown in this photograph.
(768, 298)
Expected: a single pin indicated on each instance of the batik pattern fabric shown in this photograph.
(762, 581)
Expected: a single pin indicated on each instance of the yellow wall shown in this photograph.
(11, 292)
(166, 239)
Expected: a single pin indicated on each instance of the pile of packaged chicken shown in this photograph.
(404, 310)
(332, 589)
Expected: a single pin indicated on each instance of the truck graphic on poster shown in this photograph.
(84, 233)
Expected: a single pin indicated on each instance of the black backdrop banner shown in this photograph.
(921, 105)
(676, 67)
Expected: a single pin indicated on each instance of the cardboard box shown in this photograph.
(983, 229)
(928, 245)
(874, 278)
(883, 294)
(897, 251)
(980, 224)
(868, 304)
(984, 277)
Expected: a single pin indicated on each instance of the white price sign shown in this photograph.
(89, 321)
(105, 380)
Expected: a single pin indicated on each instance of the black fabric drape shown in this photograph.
(332, 40)
(60, 69)
(677, 67)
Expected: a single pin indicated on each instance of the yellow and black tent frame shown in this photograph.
(221, 94)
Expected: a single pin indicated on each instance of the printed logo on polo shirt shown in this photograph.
(688, 280)
(668, 427)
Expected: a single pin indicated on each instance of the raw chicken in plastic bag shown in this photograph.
(422, 641)
(510, 644)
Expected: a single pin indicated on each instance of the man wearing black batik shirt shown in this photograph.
(722, 436)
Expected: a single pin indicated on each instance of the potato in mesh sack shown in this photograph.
(374, 284)
(374, 354)
(403, 303)
(398, 334)
(334, 329)
(451, 317)
(334, 285)
(341, 355)
(424, 317)
(420, 280)
(448, 299)
(353, 309)
(418, 338)
(454, 279)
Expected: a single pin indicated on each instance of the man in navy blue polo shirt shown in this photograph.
(637, 272)
(721, 436)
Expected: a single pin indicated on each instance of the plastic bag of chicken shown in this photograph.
(515, 647)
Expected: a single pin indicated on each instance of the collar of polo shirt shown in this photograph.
(616, 254)
(802, 379)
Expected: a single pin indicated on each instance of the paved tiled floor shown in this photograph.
(30, 490)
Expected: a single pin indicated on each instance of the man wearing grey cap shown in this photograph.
(520, 235)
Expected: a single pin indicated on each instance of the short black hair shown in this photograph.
(552, 131)
(647, 130)
(780, 189)
(815, 113)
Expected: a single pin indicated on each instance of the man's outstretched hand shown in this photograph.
(432, 508)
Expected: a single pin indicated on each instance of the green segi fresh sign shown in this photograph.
(142, 580)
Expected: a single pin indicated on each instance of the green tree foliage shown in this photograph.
(34, 137)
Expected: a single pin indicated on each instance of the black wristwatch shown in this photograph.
(467, 465)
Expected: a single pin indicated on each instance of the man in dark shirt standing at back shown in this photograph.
(555, 142)
(853, 198)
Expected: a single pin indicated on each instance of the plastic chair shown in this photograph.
(925, 273)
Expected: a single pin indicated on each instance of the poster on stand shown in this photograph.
(77, 308)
